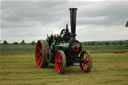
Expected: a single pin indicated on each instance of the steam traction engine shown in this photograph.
(63, 49)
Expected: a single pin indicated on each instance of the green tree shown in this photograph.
(107, 43)
(101, 43)
(23, 42)
(93, 43)
(5, 42)
(114, 43)
(126, 42)
(85, 43)
(15, 43)
(33, 43)
(126, 25)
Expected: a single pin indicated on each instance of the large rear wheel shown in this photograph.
(41, 54)
(86, 61)
(60, 62)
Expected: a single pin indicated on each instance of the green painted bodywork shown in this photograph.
(62, 46)
(57, 45)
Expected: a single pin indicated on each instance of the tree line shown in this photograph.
(105, 43)
(125, 42)
(21, 43)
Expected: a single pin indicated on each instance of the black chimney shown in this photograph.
(73, 22)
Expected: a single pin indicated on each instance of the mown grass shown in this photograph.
(20, 69)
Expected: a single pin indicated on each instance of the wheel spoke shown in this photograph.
(82, 57)
(85, 61)
(59, 57)
(41, 50)
(38, 49)
(59, 66)
(40, 60)
(86, 57)
(82, 66)
(37, 54)
(59, 61)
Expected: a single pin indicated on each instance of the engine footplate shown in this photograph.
(76, 64)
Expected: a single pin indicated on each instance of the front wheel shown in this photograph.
(60, 62)
(86, 61)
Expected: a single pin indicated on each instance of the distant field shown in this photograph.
(20, 69)
(12, 47)
(29, 47)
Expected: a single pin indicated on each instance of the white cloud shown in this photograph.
(32, 20)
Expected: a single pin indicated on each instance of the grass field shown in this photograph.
(20, 69)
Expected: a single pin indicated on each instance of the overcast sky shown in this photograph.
(32, 20)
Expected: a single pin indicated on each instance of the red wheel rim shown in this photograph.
(58, 62)
(38, 54)
(84, 62)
